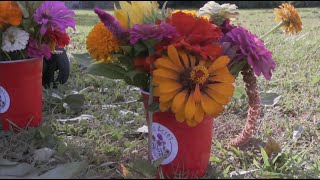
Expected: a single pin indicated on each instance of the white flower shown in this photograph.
(14, 39)
(219, 12)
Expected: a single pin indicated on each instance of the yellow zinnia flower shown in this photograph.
(289, 15)
(191, 88)
(101, 43)
(131, 14)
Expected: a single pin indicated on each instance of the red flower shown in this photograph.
(58, 38)
(195, 34)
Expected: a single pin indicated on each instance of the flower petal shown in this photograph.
(185, 59)
(221, 99)
(219, 63)
(225, 78)
(190, 108)
(222, 88)
(166, 63)
(166, 74)
(179, 101)
(169, 86)
(174, 56)
(168, 96)
(210, 106)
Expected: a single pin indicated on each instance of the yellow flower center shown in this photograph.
(199, 74)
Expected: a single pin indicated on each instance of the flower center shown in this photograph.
(199, 74)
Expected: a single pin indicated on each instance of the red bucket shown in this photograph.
(187, 148)
(21, 93)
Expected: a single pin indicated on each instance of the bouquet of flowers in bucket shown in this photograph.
(188, 59)
(33, 29)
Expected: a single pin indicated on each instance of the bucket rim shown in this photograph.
(22, 60)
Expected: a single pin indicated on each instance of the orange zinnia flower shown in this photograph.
(10, 14)
(289, 15)
(191, 88)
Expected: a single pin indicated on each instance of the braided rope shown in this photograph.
(254, 108)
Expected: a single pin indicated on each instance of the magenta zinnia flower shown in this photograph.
(146, 31)
(54, 15)
(112, 24)
(250, 47)
(34, 50)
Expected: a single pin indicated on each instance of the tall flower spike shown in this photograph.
(112, 24)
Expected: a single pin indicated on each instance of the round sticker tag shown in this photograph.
(4, 100)
(164, 144)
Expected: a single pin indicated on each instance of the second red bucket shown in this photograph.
(186, 149)
(20, 93)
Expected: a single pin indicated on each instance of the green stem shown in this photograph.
(7, 55)
(24, 57)
(273, 29)
(150, 119)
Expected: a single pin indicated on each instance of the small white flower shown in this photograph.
(14, 39)
(219, 12)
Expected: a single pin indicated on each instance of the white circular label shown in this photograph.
(4, 100)
(164, 144)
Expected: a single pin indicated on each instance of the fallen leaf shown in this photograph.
(298, 129)
(269, 99)
(272, 146)
(143, 129)
(43, 154)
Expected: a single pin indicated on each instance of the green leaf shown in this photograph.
(83, 59)
(75, 101)
(22, 5)
(126, 61)
(137, 78)
(109, 70)
(144, 167)
(215, 159)
(265, 159)
(273, 175)
(139, 48)
(239, 93)
(127, 49)
(315, 80)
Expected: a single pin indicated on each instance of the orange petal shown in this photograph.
(179, 101)
(192, 61)
(174, 56)
(180, 117)
(226, 78)
(192, 123)
(166, 74)
(185, 60)
(165, 106)
(166, 63)
(222, 71)
(202, 62)
(11, 12)
(210, 106)
(168, 96)
(190, 108)
(197, 94)
(198, 117)
(219, 63)
(169, 86)
(221, 99)
(222, 88)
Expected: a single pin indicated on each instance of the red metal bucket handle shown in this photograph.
(254, 108)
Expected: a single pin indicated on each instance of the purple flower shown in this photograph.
(248, 46)
(112, 24)
(54, 15)
(34, 50)
(146, 31)
(226, 26)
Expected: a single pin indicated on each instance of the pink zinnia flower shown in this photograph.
(54, 15)
(35, 50)
(147, 31)
(248, 46)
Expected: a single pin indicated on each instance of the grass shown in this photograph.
(109, 141)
